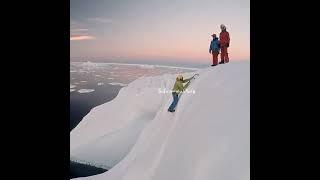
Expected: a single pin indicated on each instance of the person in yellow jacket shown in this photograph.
(177, 88)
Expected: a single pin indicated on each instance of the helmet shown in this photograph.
(214, 35)
(223, 27)
(179, 77)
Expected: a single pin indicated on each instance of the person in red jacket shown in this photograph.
(224, 44)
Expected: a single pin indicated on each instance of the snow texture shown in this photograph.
(208, 137)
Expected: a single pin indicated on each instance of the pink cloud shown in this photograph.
(81, 37)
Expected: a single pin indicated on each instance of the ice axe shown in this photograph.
(193, 77)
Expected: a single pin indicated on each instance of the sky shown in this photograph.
(176, 31)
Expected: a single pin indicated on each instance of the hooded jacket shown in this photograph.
(178, 85)
(224, 38)
(214, 46)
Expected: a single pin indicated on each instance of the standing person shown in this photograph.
(224, 44)
(214, 49)
(177, 88)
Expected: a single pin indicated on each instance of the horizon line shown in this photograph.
(138, 64)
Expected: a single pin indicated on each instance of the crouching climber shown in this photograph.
(177, 88)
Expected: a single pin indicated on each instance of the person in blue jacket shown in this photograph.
(214, 49)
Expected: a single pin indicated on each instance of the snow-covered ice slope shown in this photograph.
(208, 137)
(109, 131)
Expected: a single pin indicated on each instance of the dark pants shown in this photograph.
(175, 101)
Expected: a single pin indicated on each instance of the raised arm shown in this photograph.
(186, 80)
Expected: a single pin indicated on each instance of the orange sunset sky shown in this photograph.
(150, 30)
